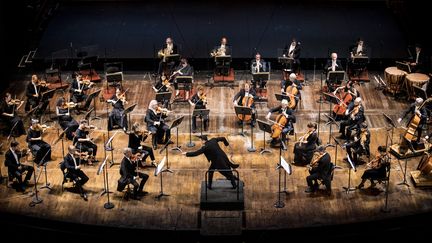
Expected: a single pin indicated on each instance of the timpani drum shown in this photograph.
(394, 78)
(417, 79)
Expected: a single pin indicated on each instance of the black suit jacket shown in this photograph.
(127, 171)
(296, 52)
(10, 161)
(324, 166)
(241, 95)
(30, 91)
(151, 117)
(328, 65)
(69, 163)
(214, 154)
(353, 50)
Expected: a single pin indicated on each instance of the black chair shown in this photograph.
(66, 177)
(329, 177)
(385, 180)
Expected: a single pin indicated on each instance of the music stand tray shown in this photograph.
(336, 76)
(114, 77)
(332, 98)
(201, 112)
(176, 122)
(263, 76)
(184, 80)
(242, 110)
(419, 92)
(285, 60)
(162, 96)
(280, 97)
(403, 66)
(129, 109)
(47, 94)
(223, 59)
(360, 60)
(172, 58)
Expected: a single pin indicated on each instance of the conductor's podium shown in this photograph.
(224, 79)
(222, 196)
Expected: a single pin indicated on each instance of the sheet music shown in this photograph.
(160, 166)
(286, 166)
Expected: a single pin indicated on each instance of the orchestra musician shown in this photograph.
(241, 99)
(117, 118)
(168, 49)
(65, 120)
(360, 145)
(293, 51)
(345, 101)
(217, 157)
(136, 140)
(129, 175)
(292, 88)
(334, 64)
(199, 101)
(9, 111)
(320, 168)
(288, 127)
(292, 81)
(72, 162)
(377, 168)
(416, 108)
(78, 88)
(419, 60)
(84, 143)
(39, 148)
(258, 65)
(183, 69)
(358, 49)
(355, 116)
(222, 67)
(304, 148)
(154, 118)
(15, 167)
(34, 94)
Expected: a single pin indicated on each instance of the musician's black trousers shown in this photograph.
(312, 181)
(139, 187)
(228, 174)
(205, 120)
(87, 147)
(18, 173)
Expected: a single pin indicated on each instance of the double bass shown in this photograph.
(247, 101)
(411, 129)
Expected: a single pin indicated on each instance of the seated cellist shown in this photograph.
(246, 97)
(304, 148)
(283, 123)
(345, 98)
(416, 108)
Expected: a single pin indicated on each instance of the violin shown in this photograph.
(42, 83)
(40, 127)
(314, 163)
(161, 110)
(68, 105)
(376, 163)
(15, 102)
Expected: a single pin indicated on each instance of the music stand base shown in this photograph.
(161, 195)
(190, 145)
(403, 183)
(279, 204)
(265, 151)
(47, 186)
(168, 170)
(36, 200)
(348, 189)
(108, 205)
(251, 149)
(385, 210)
(178, 149)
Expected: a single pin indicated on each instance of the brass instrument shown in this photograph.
(221, 51)
(163, 53)
(15, 102)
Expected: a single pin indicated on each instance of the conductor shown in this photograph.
(217, 158)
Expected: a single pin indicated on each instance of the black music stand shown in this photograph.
(159, 170)
(330, 122)
(286, 62)
(223, 64)
(265, 127)
(36, 199)
(261, 77)
(410, 147)
(175, 124)
(280, 97)
(352, 167)
(163, 97)
(337, 143)
(184, 81)
(419, 92)
(190, 144)
(244, 110)
(165, 147)
(46, 97)
(279, 203)
(403, 66)
(335, 77)
(103, 169)
(109, 147)
(392, 127)
(87, 115)
(172, 58)
(201, 113)
(91, 97)
(127, 112)
(113, 79)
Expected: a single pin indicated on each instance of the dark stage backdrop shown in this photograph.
(137, 29)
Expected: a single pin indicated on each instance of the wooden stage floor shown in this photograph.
(180, 211)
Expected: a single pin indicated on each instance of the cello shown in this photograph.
(278, 125)
(247, 101)
(344, 99)
(411, 129)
